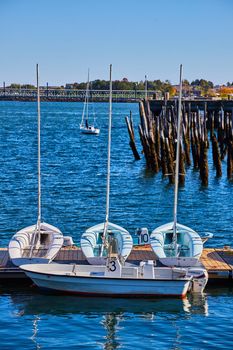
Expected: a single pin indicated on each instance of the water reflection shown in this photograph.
(59, 305)
(110, 322)
(35, 331)
(196, 304)
(111, 314)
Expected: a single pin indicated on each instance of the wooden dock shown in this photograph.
(217, 261)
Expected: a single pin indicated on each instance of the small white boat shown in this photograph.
(112, 280)
(85, 126)
(188, 250)
(89, 129)
(175, 244)
(97, 240)
(39, 242)
(34, 244)
(92, 241)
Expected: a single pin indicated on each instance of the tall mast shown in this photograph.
(177, 161)
(85, 105)
(36, 233)
(109, 160)
(88, 83)
(38, 131)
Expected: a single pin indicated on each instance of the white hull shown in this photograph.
(89, 130)
(101, 285)
(91, 243)
(111, 287)
(43, 251)
(188, 250)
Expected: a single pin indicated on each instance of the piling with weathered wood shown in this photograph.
(229, 160)
(129, 123)
(203, 163)
(146, 132)
(158, 135)
(216, 156)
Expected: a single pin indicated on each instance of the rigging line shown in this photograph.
(109, 163)
(88, 83)
(37, 228)
(38, 164)
(92, 107)
(174, 238)
(85, 105)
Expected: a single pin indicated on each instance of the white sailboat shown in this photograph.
(175, 244)
(40, 242)
(86, 127)
(97, 241)
(96, 248)
(116, 280)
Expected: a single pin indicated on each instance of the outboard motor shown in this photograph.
(68, 241)
(199, 279)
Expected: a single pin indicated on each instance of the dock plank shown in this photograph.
(217, 261)
(4, 257)
(227, 256)
(212, 260)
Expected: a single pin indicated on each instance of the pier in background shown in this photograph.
(72, 95)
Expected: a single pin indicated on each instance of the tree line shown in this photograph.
(205, 87)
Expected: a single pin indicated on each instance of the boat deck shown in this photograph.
(217, 261)
(36, 252)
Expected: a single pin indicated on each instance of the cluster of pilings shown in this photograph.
(200, 129)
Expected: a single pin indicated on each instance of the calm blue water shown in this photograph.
(73, 198)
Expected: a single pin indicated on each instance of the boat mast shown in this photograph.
(85, 106)
(37, 229)
(87, 97)
(174, 238)
(109, 164)
(38, 165)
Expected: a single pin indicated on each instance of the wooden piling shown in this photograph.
(158, 134)
(163, 157)
(204, 163)
(153, 154)
(216, 156)
(229, 160)
(129, 123)
(157, 139)
(186, 140)
(145, 146)
(181, 167)
(170, 163)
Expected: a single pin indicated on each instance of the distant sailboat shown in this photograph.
(99, 240)
(40, 242)
(86, 127)
(175, 244)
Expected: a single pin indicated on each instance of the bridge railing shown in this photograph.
(72, 93)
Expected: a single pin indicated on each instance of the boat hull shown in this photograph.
(188, 240)
(112, 287)
(92, 130)
(91, 247)
(19, 245)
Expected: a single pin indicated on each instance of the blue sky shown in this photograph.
(138, 37)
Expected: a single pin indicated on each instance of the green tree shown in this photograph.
(15, 86)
